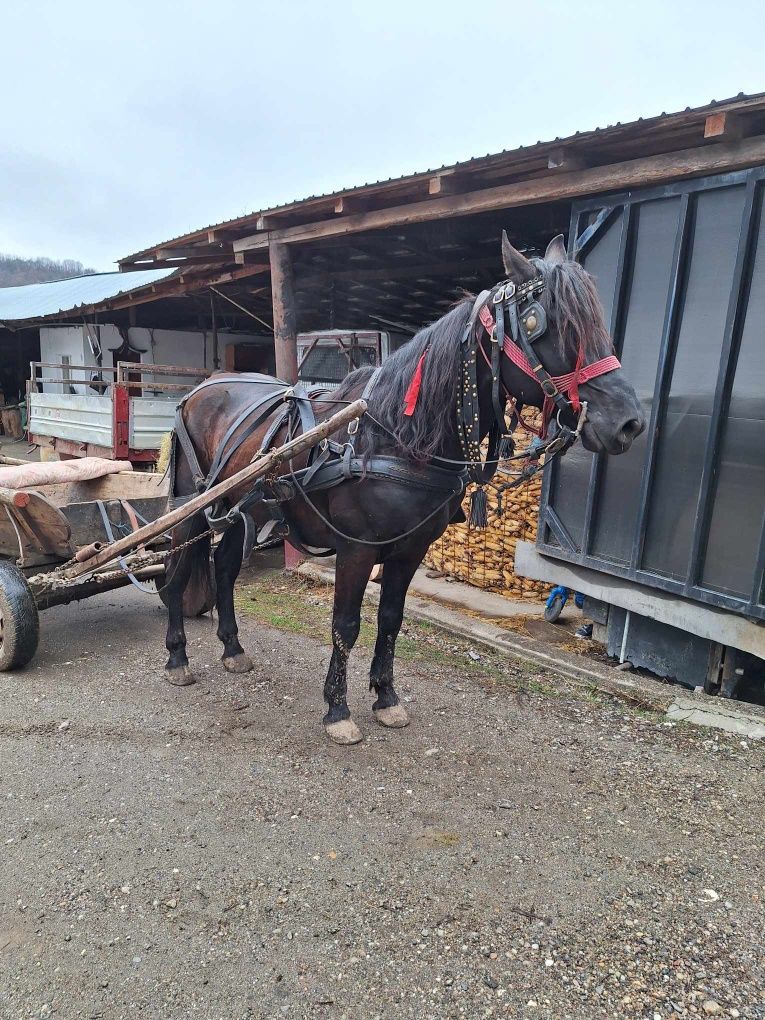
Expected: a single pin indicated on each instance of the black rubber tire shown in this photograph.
(19, 620)
(553, 611)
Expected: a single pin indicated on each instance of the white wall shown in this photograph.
(58, 343)
(189, 348)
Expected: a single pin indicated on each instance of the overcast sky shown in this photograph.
(125, 124)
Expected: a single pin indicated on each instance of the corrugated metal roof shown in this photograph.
(36, 300)
(600, 133)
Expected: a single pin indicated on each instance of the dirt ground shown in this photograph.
(521, 850)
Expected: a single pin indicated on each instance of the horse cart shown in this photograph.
(67, 540)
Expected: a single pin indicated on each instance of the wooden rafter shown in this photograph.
(631, 173)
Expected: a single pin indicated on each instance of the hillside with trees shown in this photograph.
(16, 271)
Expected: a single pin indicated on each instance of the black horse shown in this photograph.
(426, 419)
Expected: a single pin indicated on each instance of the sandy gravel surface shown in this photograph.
(522, 850)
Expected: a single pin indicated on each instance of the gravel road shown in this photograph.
(521, 850)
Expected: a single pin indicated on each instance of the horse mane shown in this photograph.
(422, 435)
(572, 302)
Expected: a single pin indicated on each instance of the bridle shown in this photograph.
(526, 319)
(519, 307)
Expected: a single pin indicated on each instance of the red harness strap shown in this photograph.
(569, 383)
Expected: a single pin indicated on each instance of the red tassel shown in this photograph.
(413, 391)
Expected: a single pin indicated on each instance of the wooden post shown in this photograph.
(214, 322)
(285, 319)
(285, 339)
(120, 422)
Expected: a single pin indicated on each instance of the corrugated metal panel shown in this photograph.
(39, 299)
(149, 421)
(69, 416)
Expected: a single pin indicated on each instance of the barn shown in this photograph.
(666, 542)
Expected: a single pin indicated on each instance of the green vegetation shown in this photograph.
(300, 606)
(16, 271)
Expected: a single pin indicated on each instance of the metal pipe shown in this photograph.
(625, 635)
(88, 551)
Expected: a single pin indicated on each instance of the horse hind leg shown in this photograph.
(178, 571)
(354, 564)
(228, 563)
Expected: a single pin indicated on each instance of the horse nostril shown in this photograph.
(632, 428)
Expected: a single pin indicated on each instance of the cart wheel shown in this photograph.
(19, 622)
(554, 608)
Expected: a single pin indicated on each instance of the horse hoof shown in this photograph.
(395, 718)
(345, 732)
(238, 663)
(180, 676)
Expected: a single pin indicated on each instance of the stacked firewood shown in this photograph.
(486, 557)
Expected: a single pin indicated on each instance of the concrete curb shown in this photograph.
(678, 706)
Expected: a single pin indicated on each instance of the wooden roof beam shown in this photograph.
(726, 125)
(211, 251)
(564, 159)
(347, 204)
(726, 156)
(219, 234)
(251, 258)
(447, 182)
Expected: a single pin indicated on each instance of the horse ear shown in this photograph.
(517, 267)
(556, 251)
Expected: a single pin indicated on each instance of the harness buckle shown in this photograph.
(549, 388)
(289, 394)
(353, 427)
(502, 293)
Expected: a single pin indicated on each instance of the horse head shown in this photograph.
(557, 340)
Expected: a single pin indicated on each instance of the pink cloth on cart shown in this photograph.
(54, 472)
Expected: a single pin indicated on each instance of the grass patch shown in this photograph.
(300, 605)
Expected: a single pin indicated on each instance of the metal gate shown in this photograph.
(681, 274)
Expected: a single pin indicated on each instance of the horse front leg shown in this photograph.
(228, 563)
(353, 567)
(398, 572)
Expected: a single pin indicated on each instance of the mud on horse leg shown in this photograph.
(354, 564)
(397, 576)
(228, 563)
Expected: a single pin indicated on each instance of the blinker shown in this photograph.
(534, 321)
